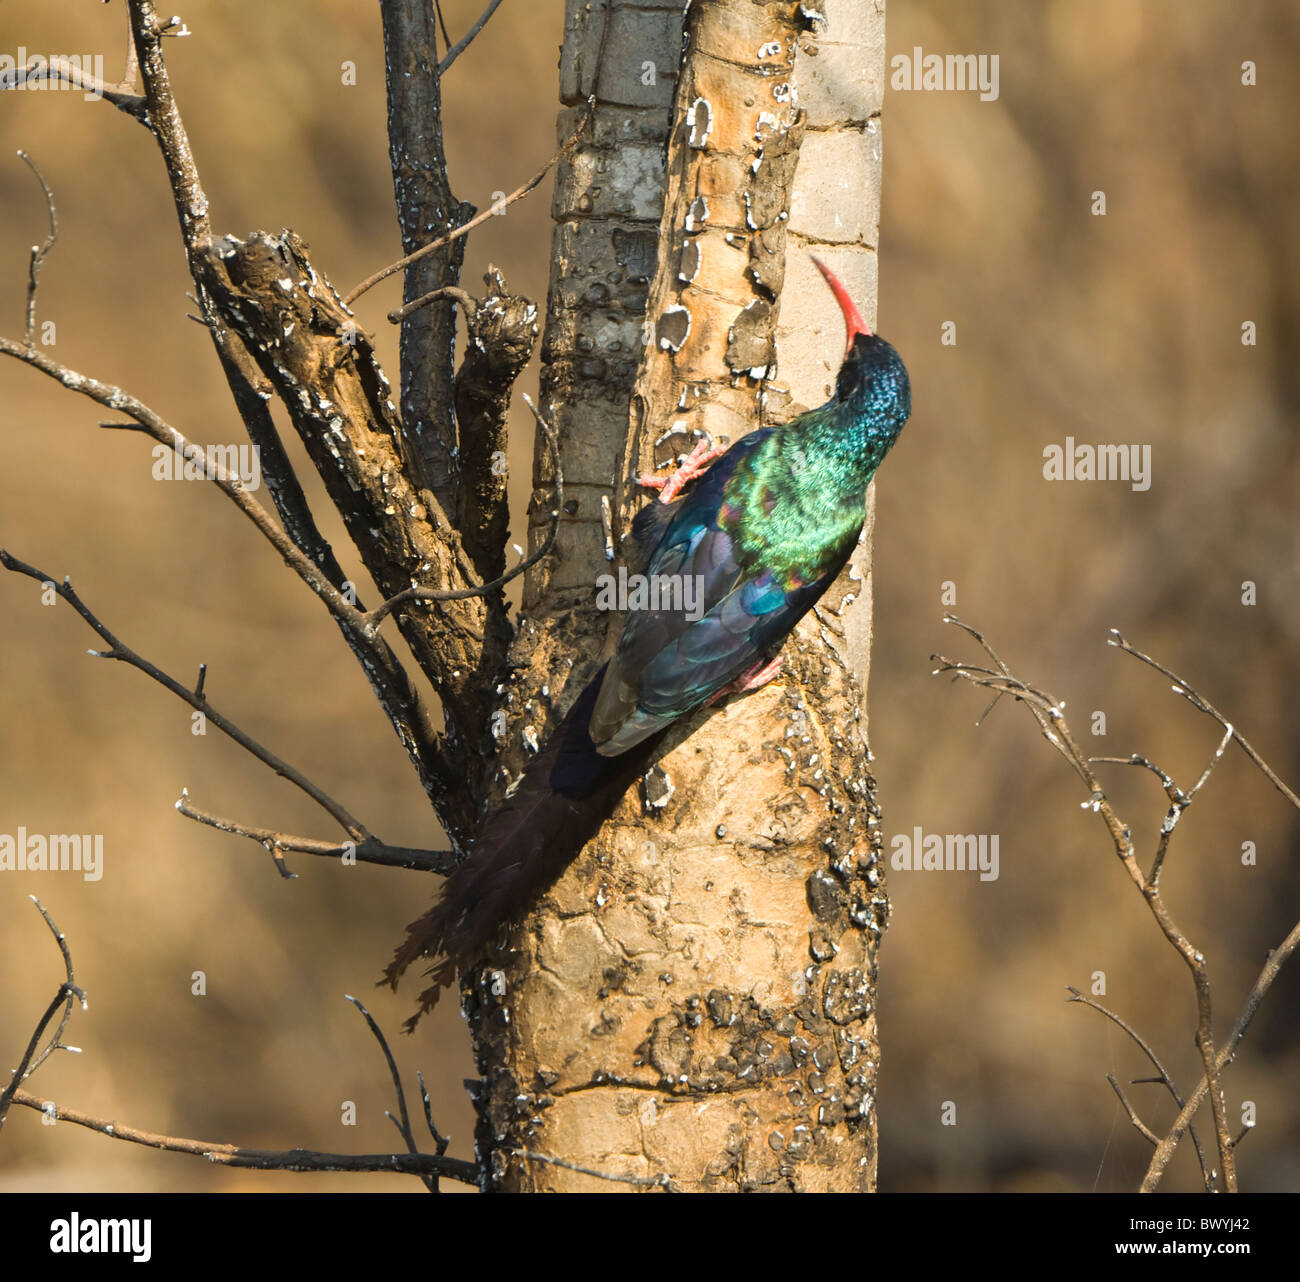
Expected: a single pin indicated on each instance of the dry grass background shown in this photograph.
(1123, 328)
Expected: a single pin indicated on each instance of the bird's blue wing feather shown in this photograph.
(668, 663)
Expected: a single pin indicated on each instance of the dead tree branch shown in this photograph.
(1162, 1074)
(427, 1166)
(380, 612)
(1181, 687)
(1049, 713)
(424, 203)
(1272, 967)
(67, 993)
(502, 331)
(369, 851)
(118, 650)
(40, 251)
(403, 1121)
(155, 426)
(636, 1181)
(122, 94)
(388, 679)
(259, 1159)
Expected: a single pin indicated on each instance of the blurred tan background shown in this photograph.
(1124, 328)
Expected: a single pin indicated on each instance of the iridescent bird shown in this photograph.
(762, 529)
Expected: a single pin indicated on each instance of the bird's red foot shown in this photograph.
(694, 465)
(759, 675)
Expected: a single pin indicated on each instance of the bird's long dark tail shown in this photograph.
(558, 806)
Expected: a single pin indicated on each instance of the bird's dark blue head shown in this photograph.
(872, 386)
(873, 382)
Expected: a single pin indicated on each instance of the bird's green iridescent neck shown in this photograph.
(797, 503)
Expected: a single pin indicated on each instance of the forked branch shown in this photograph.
(1050, 715)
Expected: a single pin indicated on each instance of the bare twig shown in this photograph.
(468, 38)
(427, 1166)
(319, 571)
(56, 1042)
(1178, 802)
(464, 229)
(438, 1138)
(67, 993)
(637, 1181)
(442, 24)
(1162, 1075)
(123, 653)
(1139, 1125)
(404, 1123)
(1178, 799)
(369, 851)
(259, 1159)
(39, 251)
(1203, 705)
(462, 296)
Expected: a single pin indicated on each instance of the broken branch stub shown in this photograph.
(502, 331)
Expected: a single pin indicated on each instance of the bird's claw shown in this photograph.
(759, 675)
(693, 466)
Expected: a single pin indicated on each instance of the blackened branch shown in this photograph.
(439, 1139)
(424, 202)
(164, 119)
(389, 680)
(251, 392)
(403, 1120)
(442, 25)
(376, 616)
(339, 401)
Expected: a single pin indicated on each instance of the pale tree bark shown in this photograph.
(695, 998)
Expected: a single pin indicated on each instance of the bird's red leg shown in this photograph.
(759, 675)
(694, 465)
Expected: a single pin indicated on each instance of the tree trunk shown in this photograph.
(695, 997)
